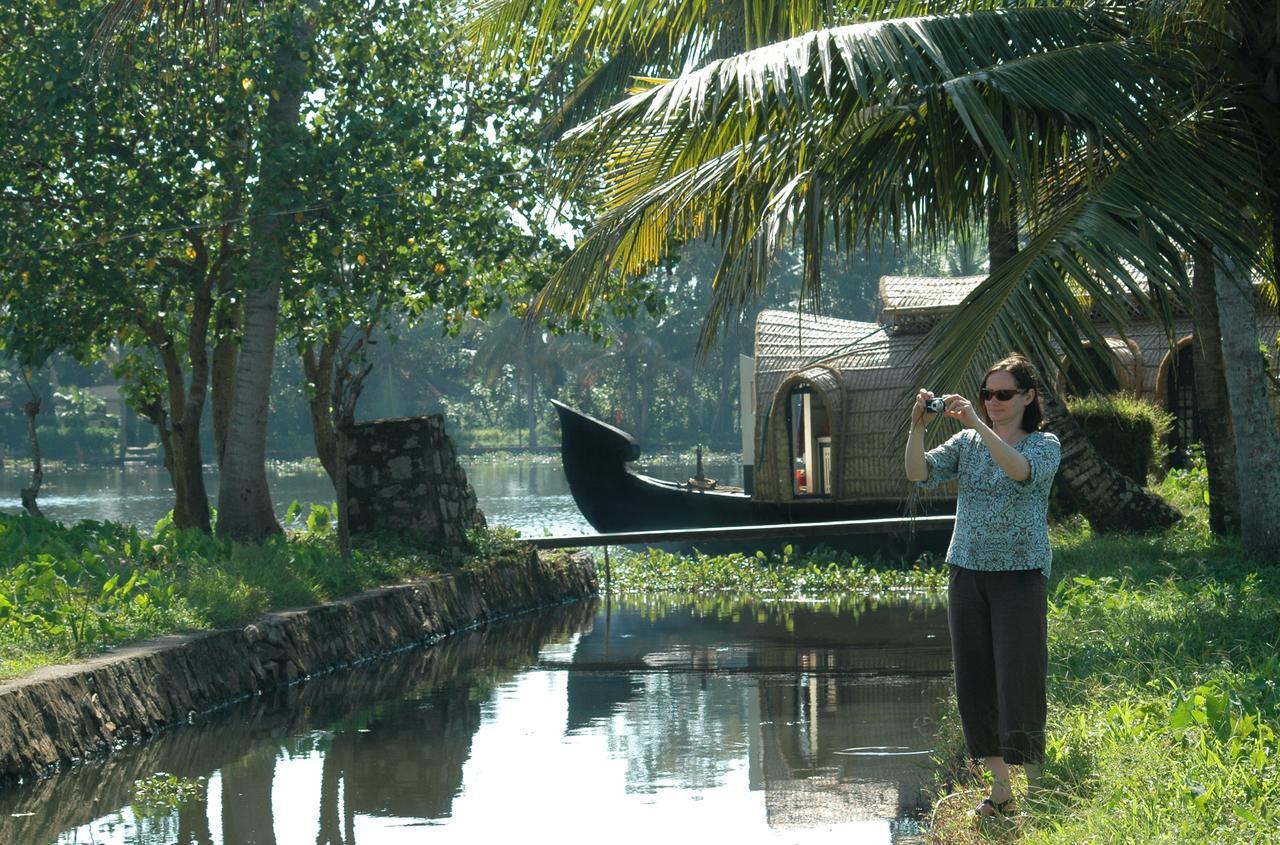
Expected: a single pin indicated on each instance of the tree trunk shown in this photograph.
(192, 502)
(347, 385)
(188, 409)
(341, 489)
(318, 368)
(226, 356)
(180, 430)
(30, 494)
(154, 413)
(1109, 500)
(1257, 438)
(1002, 230)
(245, 510)
(531, 394)
(1213, 412)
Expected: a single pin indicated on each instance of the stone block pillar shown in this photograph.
(404, 479)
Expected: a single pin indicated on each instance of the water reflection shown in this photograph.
(832, 703)
(636, 720)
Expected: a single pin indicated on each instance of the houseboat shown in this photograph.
(824, 407)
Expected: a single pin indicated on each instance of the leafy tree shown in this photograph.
(418, 199)
(1112, 139)
(166, 203)
(131, 192)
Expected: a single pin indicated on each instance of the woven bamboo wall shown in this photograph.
(868, 370)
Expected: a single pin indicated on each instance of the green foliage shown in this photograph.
(67, 591)
(134, 192)
(70, 591)
(321, 520)
(493, 542)
(1129, 433)
(162, 793)
(776, 575)
(75, 444)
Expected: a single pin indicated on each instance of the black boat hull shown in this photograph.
(615, 499)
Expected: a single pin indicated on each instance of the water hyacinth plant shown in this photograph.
(783, 574)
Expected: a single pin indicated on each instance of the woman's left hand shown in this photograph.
(961, 409)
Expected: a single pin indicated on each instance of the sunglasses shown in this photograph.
(1002, 395)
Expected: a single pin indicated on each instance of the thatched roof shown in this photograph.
(915, 303)
(788, 340)
(910, 301)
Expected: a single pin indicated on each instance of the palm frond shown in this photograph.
(123, 20)
(673, 33)
(856, 128)
(1121, 239)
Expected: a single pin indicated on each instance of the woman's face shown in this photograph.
(1009, 410)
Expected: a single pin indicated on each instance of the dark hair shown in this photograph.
(1025, 376)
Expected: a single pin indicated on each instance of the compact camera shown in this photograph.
(935, 405)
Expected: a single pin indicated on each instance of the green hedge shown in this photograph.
(1129, 433)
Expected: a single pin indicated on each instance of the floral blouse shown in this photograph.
(1001, 524)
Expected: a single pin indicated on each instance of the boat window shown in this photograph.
(810, 442)
(1180, 400)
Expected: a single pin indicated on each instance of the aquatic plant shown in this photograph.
(823, 572)
(162, 793)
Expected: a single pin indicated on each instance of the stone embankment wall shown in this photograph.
(65, 713)
(403, 477)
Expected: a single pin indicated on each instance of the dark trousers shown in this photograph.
(1001, 657)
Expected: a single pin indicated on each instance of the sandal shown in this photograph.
(1001, 809)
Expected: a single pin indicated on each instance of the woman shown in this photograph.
(999, 558)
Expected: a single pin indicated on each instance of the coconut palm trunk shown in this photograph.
(245, 510)
(1257, 438)
(1213, 411)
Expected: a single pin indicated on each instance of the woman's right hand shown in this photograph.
(918, 412)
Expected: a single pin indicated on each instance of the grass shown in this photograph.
(70, 591)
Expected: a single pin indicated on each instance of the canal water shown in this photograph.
(641, 719)
(636, 719)
(530, 496)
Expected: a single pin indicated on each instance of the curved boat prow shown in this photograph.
(588, 435)
(613, 498)
(595, 456)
